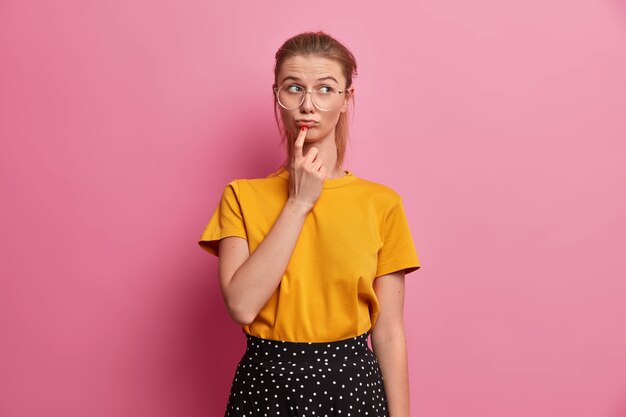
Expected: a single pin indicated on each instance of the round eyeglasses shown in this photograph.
(291, 96)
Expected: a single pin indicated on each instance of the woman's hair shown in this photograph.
(322, 45)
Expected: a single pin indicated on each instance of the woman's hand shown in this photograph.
(306, 173)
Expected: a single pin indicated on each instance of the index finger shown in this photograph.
(298, 144)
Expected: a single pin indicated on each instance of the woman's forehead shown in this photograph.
(310, 68)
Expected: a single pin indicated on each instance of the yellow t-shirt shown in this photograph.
(356, 231)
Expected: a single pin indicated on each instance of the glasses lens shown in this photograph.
(290, 96)
(325, 98)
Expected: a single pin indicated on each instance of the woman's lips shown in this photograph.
(307, 124)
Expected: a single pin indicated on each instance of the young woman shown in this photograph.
(312, 259)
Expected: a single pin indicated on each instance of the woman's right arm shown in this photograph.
(248, 280)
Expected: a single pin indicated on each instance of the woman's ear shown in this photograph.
(347, 100)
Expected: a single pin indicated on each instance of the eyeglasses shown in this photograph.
(291, 96)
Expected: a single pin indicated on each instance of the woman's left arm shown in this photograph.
(389, 342)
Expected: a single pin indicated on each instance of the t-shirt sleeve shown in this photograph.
(227, 220)
(398, 251)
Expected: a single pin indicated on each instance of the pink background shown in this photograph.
(502, 125)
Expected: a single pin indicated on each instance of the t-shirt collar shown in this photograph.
(328, 183)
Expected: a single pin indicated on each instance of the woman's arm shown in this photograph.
(389, 342)
(248, 281)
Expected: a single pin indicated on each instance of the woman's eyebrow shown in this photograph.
(328, 77)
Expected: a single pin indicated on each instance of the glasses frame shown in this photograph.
(306, 91)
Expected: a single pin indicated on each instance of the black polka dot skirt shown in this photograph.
(339, 379)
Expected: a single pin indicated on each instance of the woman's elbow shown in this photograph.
(242, 320)
(238, 310)
(240, 314)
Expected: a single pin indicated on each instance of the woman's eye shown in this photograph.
(326, 90)
(293, 88)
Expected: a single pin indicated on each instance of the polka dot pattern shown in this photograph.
(278, 378)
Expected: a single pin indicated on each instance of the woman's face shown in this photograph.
(310, 72)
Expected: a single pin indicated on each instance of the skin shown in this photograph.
(247, 281)
(321, 136)
(389, 342)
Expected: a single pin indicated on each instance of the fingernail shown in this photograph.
(303, 128)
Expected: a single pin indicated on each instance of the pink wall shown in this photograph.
(502, 124)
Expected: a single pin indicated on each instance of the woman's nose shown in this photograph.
(307, 103)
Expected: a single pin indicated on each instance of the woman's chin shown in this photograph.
(309, 134)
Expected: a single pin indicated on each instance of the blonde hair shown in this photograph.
(323, 45)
